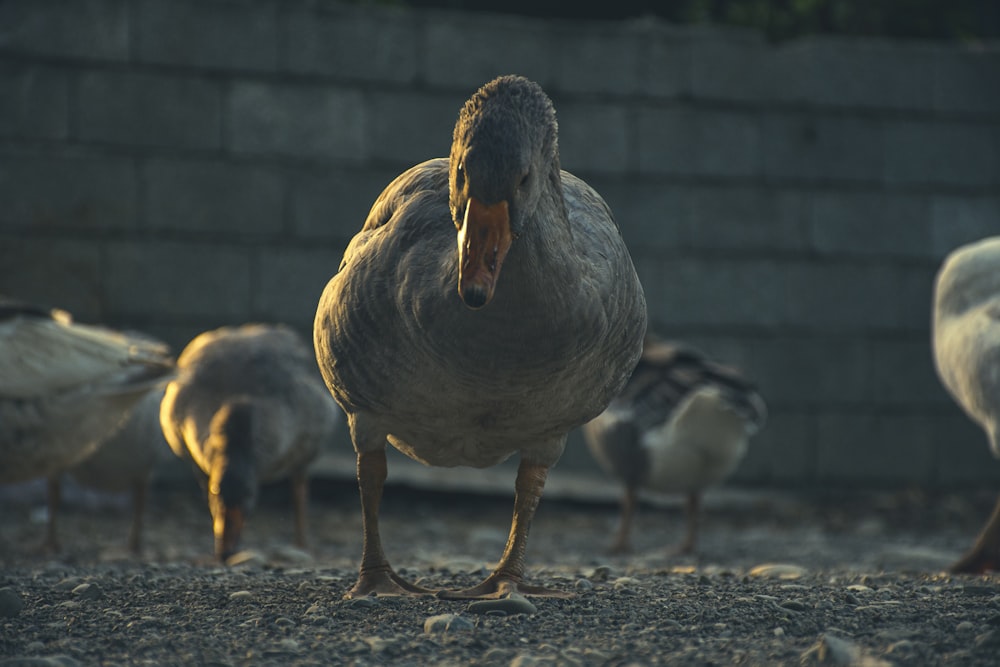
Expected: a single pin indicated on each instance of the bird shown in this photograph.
(682, 423)
(965, 335)
(124, 462)
(487, 307)
(65, 387)
(247, 407)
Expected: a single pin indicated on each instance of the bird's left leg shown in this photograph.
(692, 510)
(139, 493)
(508, 577)
(300, 501)
(54, 498)
(985, 553)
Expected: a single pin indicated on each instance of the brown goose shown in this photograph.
(681, 424)
(486, 308)
(966, 341)
(247, 407)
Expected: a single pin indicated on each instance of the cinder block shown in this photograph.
(697, 142)
(226, 199)
(818, 148)
(370, 44)
(289, 282)
(852, 72)
(298, 121)
(34, 102)
(594, 137)
(957, 220)
(463, 50)
(870, 223)
(87, 29)
(742, 218)
(847, 297)
(903, 375)
(800, 372)
(596, 58)
(965, 79)
(728, 64)
(866, 448)
(665, 66)
(654, 218)
(57, 192)
(54, 272)
(223, 35)
(178, 282)
(332, 205)
(782, 452)
(711, 292)
(408, 128)
(942, 153)
(149, 110)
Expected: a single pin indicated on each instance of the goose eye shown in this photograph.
(525, 179)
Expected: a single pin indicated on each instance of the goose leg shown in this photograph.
(507, 578)
(692, 511)
(138, 509)
(376, 575)
(54, 497)
(621, 542)
(300, 502)
(985, 553)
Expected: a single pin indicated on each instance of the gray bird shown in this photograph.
(966, 342)
(682, 423)
(248, 407)
(487, 307)
(65, 387)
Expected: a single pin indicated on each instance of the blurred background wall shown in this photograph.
(173, 166)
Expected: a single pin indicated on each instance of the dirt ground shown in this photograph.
(780, 579)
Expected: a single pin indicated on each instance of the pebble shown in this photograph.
(11, 603)
(831, 649)
(965, 626)
(366, 602)
(778, 571)
(241, 595)
(446, 623)
(510, 605)
(88, 592)
(47, 661)
(246, 558)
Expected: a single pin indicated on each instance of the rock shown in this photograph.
(584, 585)
(447, 623)
(88, 592)
(510, 605)
(11, 603)
(240, 596)
(778, 571)
(246, 558)
(48, 661)
(831, 650)
(366, 602)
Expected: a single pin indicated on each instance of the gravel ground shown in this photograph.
(780, 580)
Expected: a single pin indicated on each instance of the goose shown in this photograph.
(966, 344)
(65, 387)
(682, 423)
(247, 407)
(487, 307)
(124, 462)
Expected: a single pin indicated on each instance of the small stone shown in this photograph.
(833, 650)
(584, 585)
(778, 571)
(793, 605)
(366, 602)
(447, 623)
(779, 631)
(965, 626)
(246, 558)
(88, 592)
(11, 603)
(510, 605)
(241, 595)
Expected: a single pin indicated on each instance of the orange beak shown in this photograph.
(483, 242)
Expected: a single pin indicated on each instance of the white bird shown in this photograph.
(65, 387)
(487, 307)
(966, 342)
(682, 423)
(248, 407)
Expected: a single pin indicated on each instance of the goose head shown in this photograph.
(504, 156)
(232, 475)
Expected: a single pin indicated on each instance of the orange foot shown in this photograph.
(496, 587)
(385, 582)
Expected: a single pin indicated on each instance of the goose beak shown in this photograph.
(483, 242)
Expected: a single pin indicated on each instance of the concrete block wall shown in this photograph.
(177, 165)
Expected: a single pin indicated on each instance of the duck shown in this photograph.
(66, 386)
(965, 334)
(682, 424)
(248, 407)
(124, 462)
(486, 308)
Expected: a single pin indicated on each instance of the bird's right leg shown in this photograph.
(376, 575)
(621, 542)
(985, 553)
